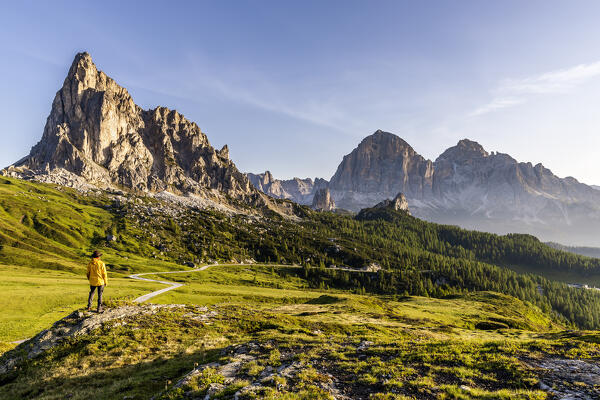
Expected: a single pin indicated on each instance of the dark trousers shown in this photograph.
(91, 296)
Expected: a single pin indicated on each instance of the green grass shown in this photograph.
(266, 286)
(149, 354)
(48, 227)
(419, 347)
(33, 298)
(47, 233)
(53, 227)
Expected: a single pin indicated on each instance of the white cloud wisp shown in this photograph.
(512, 92)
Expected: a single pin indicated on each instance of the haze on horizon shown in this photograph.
(294, 87)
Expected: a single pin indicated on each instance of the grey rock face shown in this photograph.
(323, 201)
(267, 184)
(399, 203)
(470, 187)
(299, 190)
(380, 167)
(97, 132)
(498, 186)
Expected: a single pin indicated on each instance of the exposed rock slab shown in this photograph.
(75, 324)
(568, 379)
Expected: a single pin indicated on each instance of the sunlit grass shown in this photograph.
(33, 298)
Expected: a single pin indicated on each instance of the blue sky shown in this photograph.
(293, 86)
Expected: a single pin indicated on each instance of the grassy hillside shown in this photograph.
(418, 258)
(33, 298)
(46, 235)
(265, 335)
(50, 227)
(269, 285)
(53, 227)
(446, 317)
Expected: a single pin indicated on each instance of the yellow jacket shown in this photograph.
(96, 273)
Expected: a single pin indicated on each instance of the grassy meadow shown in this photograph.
(378, 347)
(34, 298)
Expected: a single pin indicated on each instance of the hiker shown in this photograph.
(96, 274)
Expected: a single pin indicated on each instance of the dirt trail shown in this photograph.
(172, 285)
(175, 285)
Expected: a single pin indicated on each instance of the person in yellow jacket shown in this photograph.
(96, 274)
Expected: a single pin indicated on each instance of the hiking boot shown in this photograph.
(100, 310)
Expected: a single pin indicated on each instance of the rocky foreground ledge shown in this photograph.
(239, 353)
(76, 324)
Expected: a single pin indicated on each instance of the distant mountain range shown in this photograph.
(465, 186)
(584, 251)
(97, 136)
(299, 190)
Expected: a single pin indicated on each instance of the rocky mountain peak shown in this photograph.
(400, 203)
(384, 164)
(267, 177)
(96, 132)
(465, 150)
(224, 152)
(385, 141)
(83, 70)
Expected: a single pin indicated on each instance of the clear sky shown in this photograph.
(293, 86)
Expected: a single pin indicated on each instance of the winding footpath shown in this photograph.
(175, 285)
(172, 285)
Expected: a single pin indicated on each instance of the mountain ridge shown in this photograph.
(96, 134)
(467, 186)
(300, 190)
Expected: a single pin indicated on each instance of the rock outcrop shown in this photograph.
(267, 184)
(81, 323)
(399, 203)
(323, 201)
(95, 131)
